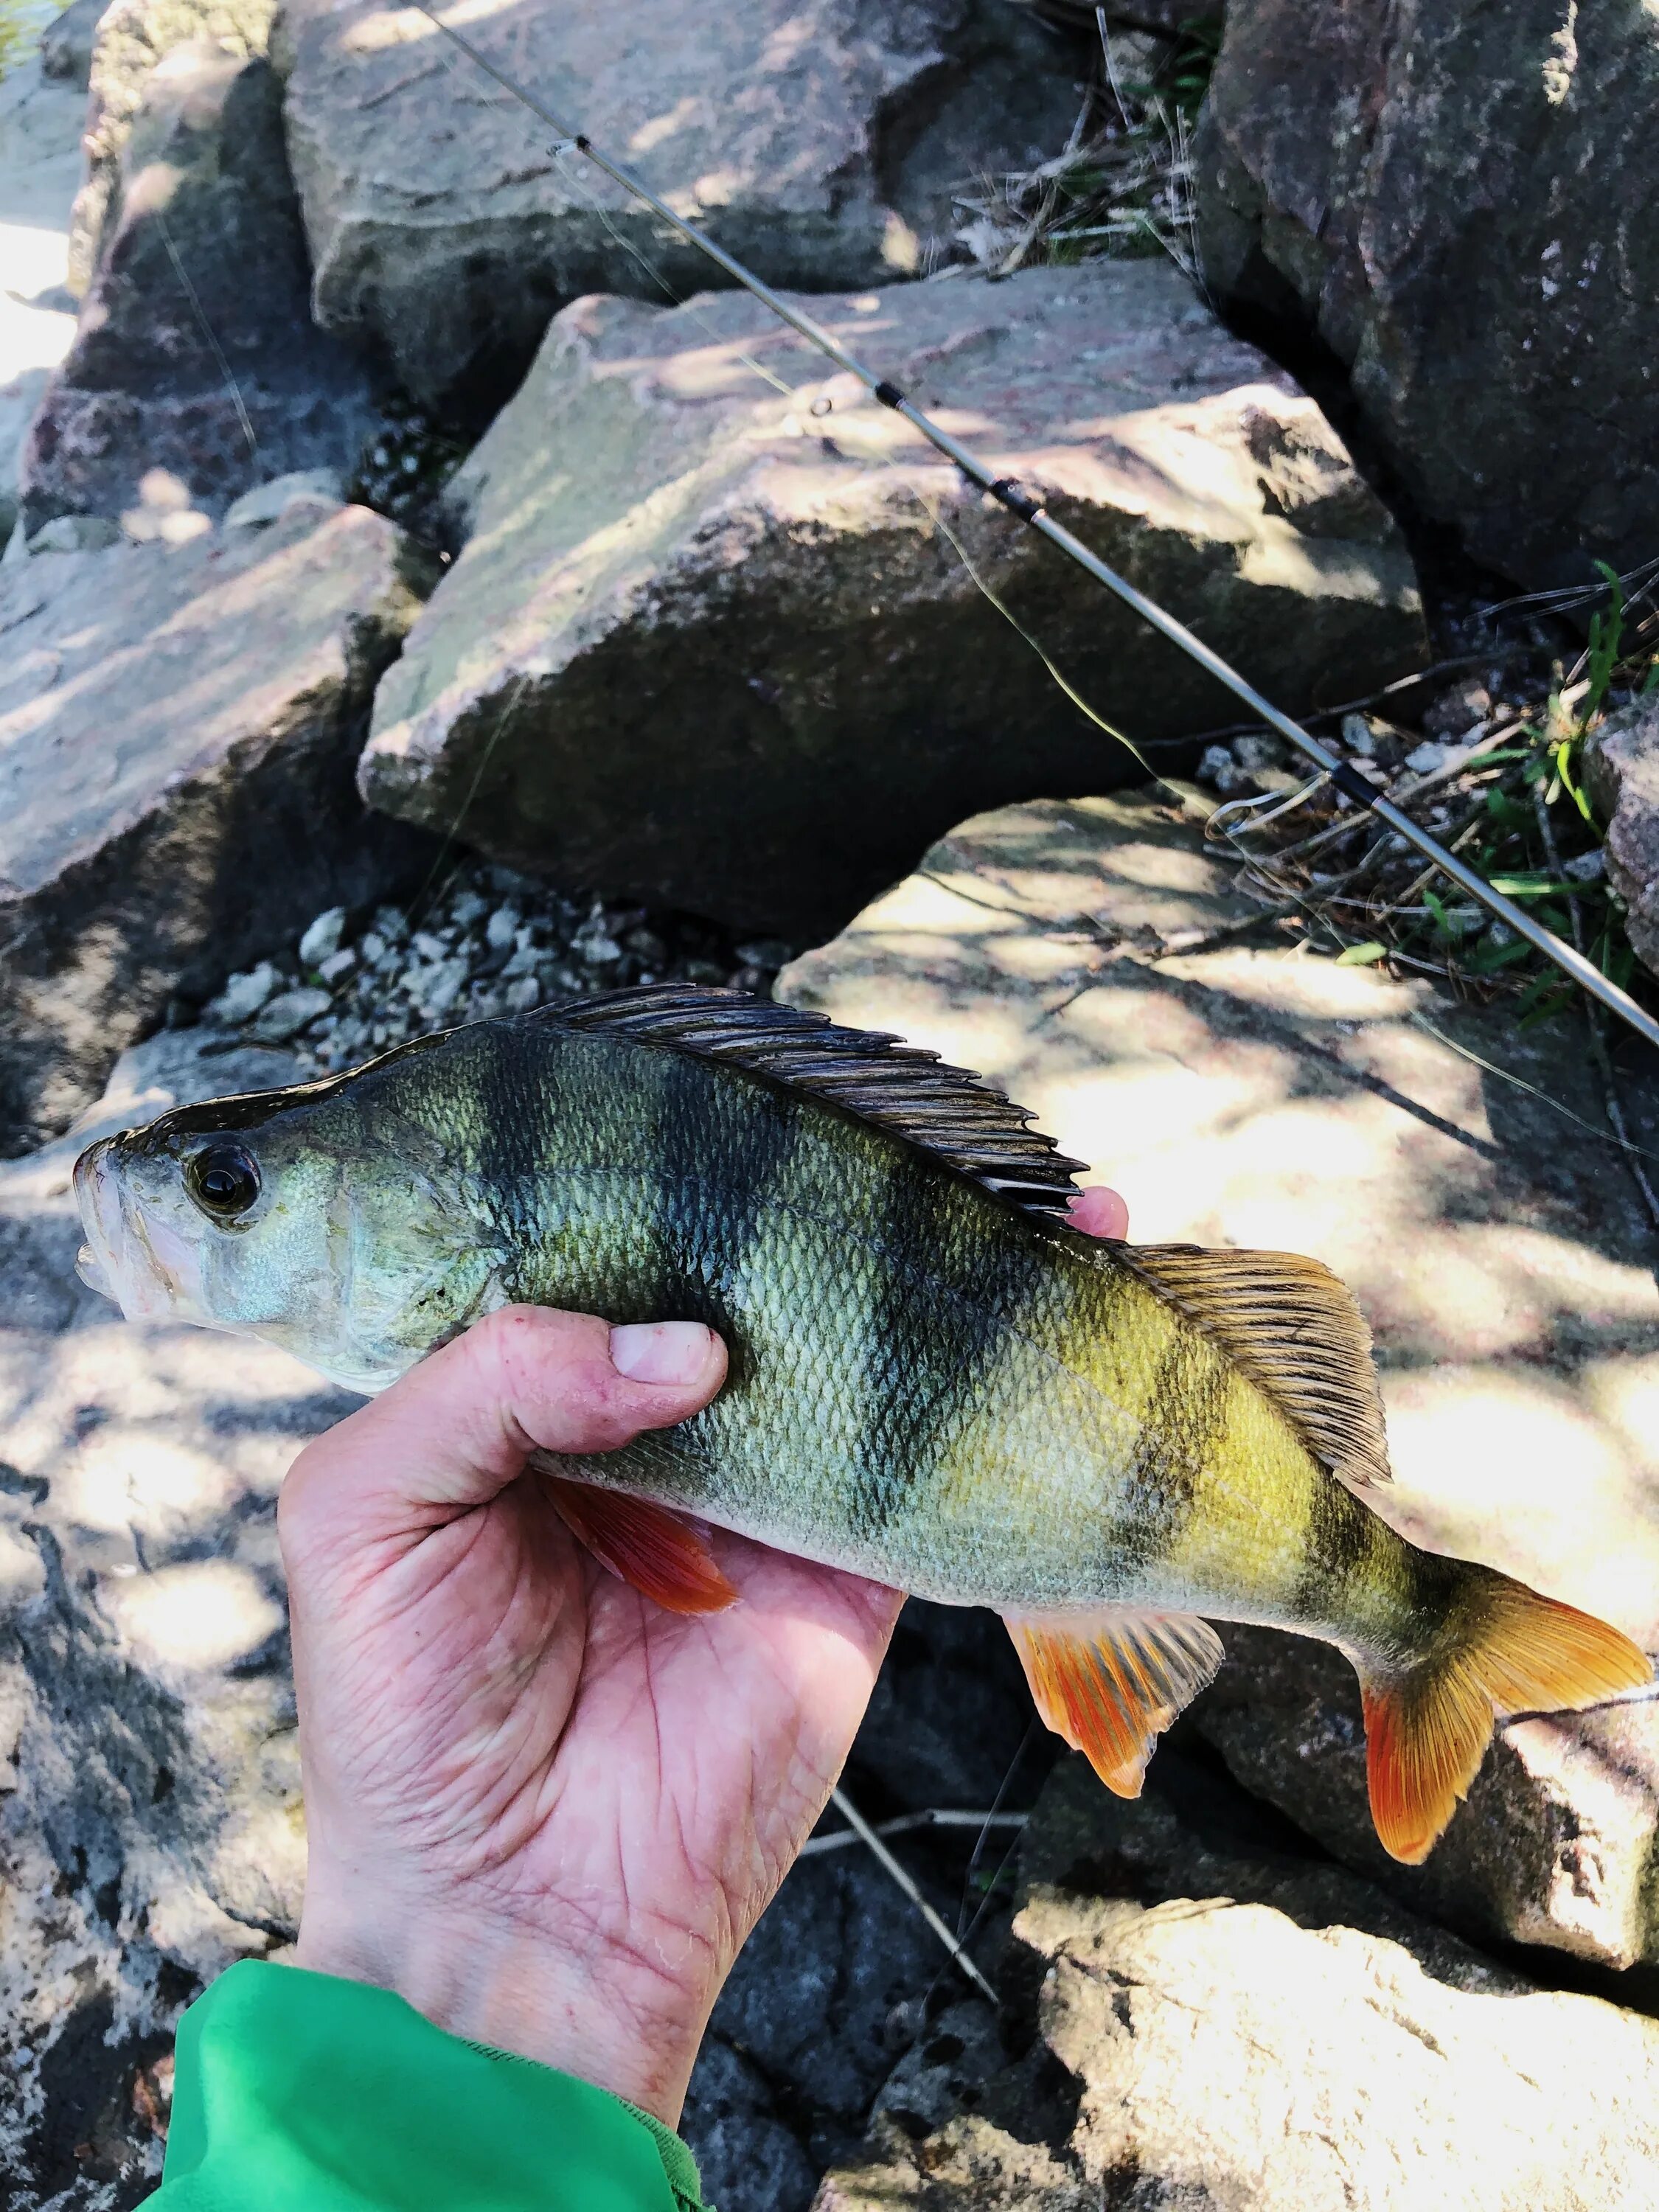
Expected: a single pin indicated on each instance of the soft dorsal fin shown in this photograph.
(901, 1088)
(1296, 1330)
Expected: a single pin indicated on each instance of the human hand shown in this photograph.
(541, 1808)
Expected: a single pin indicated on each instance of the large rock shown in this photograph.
(817, 139)
(1622, 768)
(1456, 196)
(132, 37)
(197, 372)
(1215, 2025)
(1252, 1094)
(706, 643)
(179, 725)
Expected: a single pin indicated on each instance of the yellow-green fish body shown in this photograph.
(934, 1381)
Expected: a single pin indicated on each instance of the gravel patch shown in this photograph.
(487, 943)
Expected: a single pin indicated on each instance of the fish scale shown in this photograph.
(934, 1380)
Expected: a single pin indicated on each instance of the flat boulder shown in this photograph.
(817, 139)
(179, 727)
(195, 372)
(1202, 2018)
(724, 637)
(1098, 960)
(1458, 200)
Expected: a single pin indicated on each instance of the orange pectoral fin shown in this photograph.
(642, 1545)
(1110, 1682)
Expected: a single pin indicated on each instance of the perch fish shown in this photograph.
(934, 1380)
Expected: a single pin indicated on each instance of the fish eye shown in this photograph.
(223, 1180)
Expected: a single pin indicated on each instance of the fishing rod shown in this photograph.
(1031, 512)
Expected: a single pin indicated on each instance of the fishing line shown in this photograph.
(1032, 512)
(207, 330)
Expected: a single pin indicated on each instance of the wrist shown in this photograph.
(624, 2018)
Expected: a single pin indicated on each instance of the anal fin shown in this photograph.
(642, 1545)
(1111, 1681)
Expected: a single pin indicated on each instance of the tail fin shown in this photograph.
(1509, 1651)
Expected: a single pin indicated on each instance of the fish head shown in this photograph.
(313, 1218)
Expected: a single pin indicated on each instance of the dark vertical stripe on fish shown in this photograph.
(1185, 1416)
(723, 1154)
(983, 1288)
(1340, 1547)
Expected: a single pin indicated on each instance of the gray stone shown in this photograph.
(243, 995)
(74, 533)
(178, 729)
(269, 502)
(1621, 768)
(1089, 957)
(287, 1014)
(66, 43)
(1456, 198)
(1216, 2025)
(817, 139)
(132, 37)
(703, 645)
(321, 940)
(195, 372)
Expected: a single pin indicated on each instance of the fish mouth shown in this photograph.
(148, 1269)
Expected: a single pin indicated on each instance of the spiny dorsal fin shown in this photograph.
(1296, 1330)
(1111, 1681)
(901, 1088)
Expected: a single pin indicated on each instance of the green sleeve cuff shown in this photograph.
(297, 2090)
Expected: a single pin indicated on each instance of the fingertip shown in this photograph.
(1098, 1212)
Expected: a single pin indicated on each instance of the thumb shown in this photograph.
(456, 1430)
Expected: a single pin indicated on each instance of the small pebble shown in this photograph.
(1359, 736)
(338, 964)
(1425, 759)
(1260, 749)
(322, 940)
(523, 994)
(1586, 868)
(243, 995)
(501, 928)
(286, 1015)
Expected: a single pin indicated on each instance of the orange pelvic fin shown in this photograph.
(1111, 1681)
(1426, 1731)
(643, 1544)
